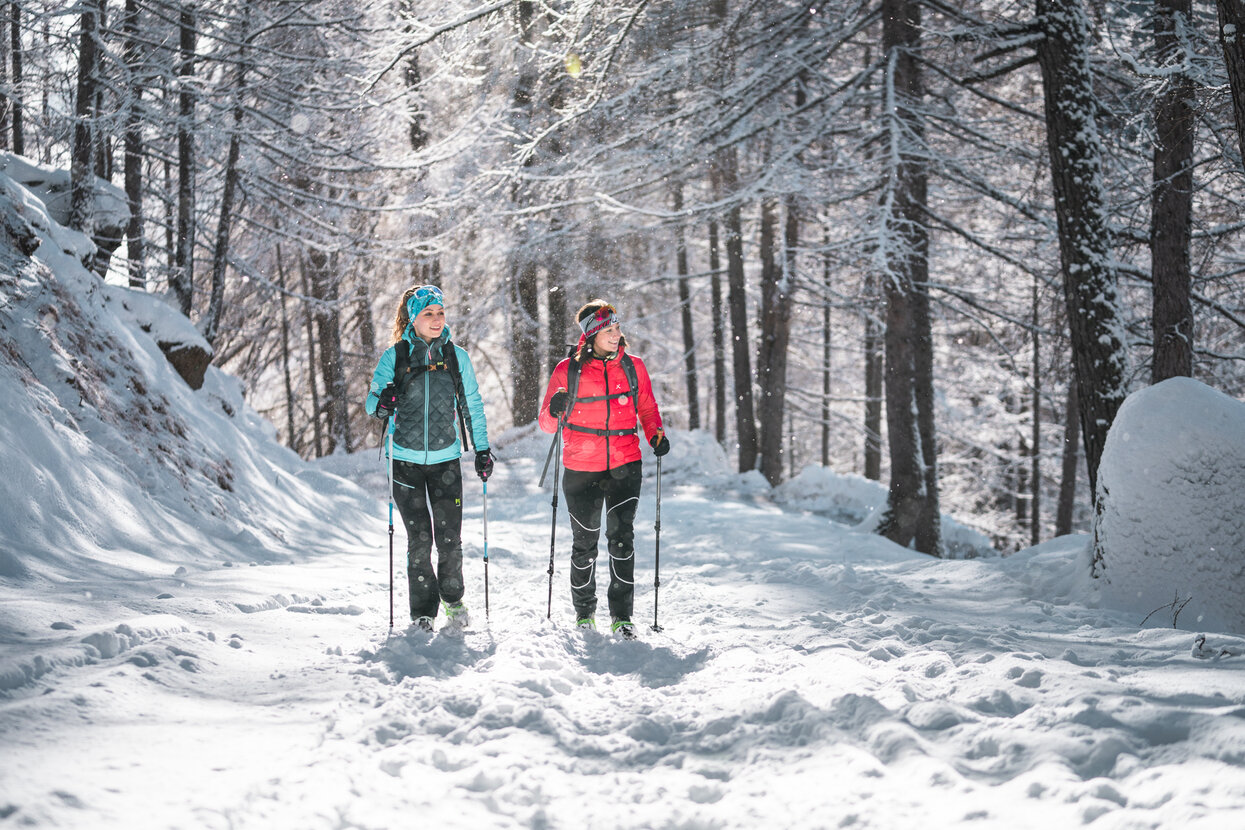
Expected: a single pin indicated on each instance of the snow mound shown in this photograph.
(1172, 486)
(114, 469)
(859, 502)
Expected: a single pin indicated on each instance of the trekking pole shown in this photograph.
(389, 431)
(657, 549)
(485, 484)
(557, 445)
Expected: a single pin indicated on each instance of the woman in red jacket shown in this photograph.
(601, 456)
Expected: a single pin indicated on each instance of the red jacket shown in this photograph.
(589, 452)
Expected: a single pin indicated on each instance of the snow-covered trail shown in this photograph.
(808, 676)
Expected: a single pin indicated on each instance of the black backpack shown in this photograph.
(404, 373)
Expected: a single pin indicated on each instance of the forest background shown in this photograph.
(932, 244)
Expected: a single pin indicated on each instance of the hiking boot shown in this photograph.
(586, 623)
(423, 624)
(456, 615)
(623, 627)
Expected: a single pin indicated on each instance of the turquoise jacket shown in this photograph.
(428, 402)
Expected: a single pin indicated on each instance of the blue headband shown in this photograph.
(424, 296)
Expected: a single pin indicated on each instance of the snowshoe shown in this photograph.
(423, 624)
(623, 628)
(586, 623)
(456, 615)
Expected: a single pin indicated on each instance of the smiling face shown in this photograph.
(429, 322)
(606, 340)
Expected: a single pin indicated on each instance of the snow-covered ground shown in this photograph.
(808, 676)
(194, 634)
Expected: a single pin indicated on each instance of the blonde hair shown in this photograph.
(403, 318)
(585, 311)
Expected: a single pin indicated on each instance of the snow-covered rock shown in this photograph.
(51, 189)
(1172, 487)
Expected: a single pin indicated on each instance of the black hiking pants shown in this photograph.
(415, 488)
(618, 491)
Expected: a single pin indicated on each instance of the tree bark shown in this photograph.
(7, 102)
(912, 514)
(737, 304)
(82, 174)
(1171, 214)
(826, 354)
(285, 355)
(1035, 475)
(324, 288)
(874, 378)
(15, 51)
(719, 336)
(525, 327)
(184, 256)
(525, 355)
(1084, 241)
(309, 320)
(1232, 39)
(685, 313)
(220, 251)
(776, 283)
(1071, 453)
(133, 56)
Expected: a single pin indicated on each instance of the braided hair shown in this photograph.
(403, 318)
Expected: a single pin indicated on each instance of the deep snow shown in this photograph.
(194, 634)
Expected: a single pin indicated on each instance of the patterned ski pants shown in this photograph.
(415, 487)
(618, 491)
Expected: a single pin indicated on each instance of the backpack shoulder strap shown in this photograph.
(632, 378)
(572, 384)
(402, 364)
(449, 353)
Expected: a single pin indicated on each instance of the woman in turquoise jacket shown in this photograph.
(437, 385)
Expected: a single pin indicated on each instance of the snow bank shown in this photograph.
(858, 502)
(115, 471)
(1172, 486)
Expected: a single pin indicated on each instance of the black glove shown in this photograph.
(660, 443)
(484, 464)
(386, 402)
(557, 404)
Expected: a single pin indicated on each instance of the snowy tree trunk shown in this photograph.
(737, 305)
(1035, 475)
(719, 336)
(325, 289)
(912, 514)
(525, 355)
(874, 377)
(312, 381)
(133, 56)
(220, 251)
(826, 353)
(776, 282)
(1232, 39)
(524, 284)
(15, 53)
(1071, 454)
(82, 173)
(184, 258)
(1084, 241)
(413, 77)
(1171, 213)
(685, 313)
(288, 376)
(7, 102)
